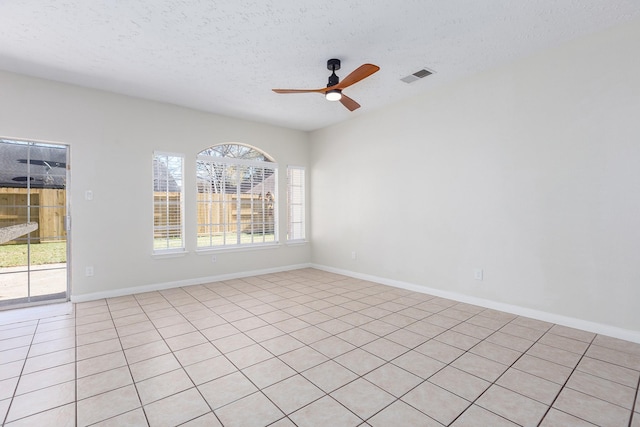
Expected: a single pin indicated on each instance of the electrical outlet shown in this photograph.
(353, 254)
(88, 195)
(214, 258)
(477, 274)
(88, 271)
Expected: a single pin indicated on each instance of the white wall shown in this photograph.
(112, 139)
(530, 171)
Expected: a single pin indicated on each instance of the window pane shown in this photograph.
(295, 203)
(168, 202)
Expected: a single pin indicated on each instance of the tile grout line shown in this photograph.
(335, 335)
(634, 404)
(461, 355)
(124, 354)
(491, 383)
(225, 356)
(286, 415)
(602, 378)
(180, 363)
(425, 380)
(171, 351)
(106, 305)
(38, 323)
(183, 367)
(325, 394)
(567, 380)
(15, 390)
(444, 308)
(358, 376)
(198, 329)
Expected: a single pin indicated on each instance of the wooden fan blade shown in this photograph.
(323, 90)
(362, 72)
(349, 103)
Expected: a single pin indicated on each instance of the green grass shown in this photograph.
(41, 253)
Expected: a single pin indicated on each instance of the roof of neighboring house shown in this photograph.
(36, 165)
(268, 185)
(163, 180)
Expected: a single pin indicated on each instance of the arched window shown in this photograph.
(237, 197)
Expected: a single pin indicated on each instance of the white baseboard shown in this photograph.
(179, 283)
(598, 328)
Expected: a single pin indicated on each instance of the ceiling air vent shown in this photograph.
(417, 76)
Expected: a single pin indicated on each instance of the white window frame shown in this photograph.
(170, 247)
(224, 162)
(296, 223)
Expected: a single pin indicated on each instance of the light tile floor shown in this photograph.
(306, 348)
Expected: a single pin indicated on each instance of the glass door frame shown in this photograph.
(30, 300)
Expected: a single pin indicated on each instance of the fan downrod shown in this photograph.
(333, 65)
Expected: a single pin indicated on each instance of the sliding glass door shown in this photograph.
(33, 193)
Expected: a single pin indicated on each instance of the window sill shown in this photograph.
(296, 242)
(208, 251)
(169, 254)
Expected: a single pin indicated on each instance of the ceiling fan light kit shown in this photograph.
(333, 95)
(333, 91)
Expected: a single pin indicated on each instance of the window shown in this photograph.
(168, 202)
(295, 203)
(237, 197)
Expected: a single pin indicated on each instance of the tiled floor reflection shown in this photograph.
(307, 348)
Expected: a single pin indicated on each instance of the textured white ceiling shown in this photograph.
(226, 56)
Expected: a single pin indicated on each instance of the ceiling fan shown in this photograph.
(333, 91)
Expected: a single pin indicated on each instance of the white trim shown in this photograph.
(297, 242)
(170, 254)
(45, 303)
(208, 250)
(179, 283)
(572, 322)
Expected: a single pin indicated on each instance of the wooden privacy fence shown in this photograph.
(46, 206)
(217, 213)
